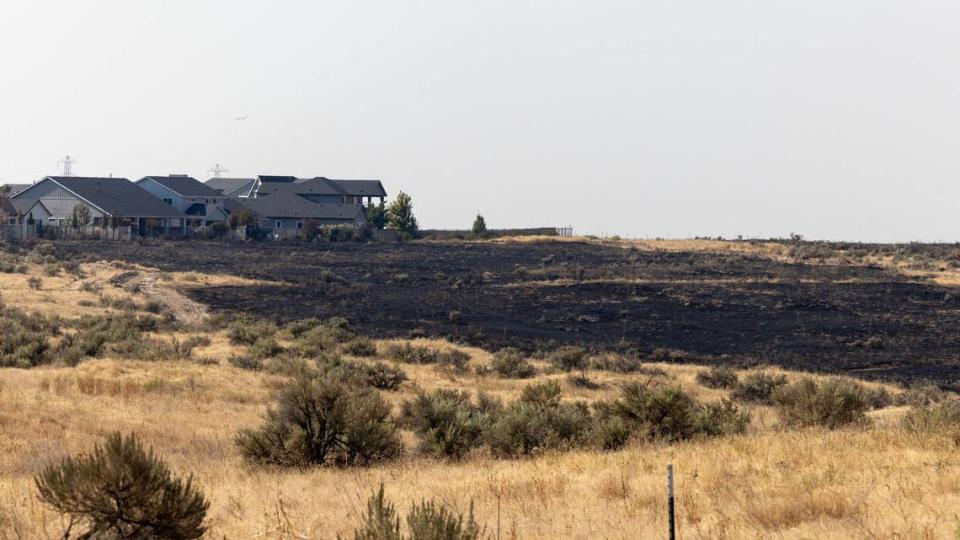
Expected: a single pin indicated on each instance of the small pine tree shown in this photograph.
(123, 491)
(400, 214)
(377, 215)
(479, 226)
(80, 216)
(381, 521)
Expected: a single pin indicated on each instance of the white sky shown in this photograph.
(835, 119)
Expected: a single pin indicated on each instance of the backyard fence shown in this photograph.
(12, 233)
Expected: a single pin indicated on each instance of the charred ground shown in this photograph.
(697, 306)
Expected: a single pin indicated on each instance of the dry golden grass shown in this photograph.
(874, 482)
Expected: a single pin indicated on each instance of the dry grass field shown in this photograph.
(874, 481)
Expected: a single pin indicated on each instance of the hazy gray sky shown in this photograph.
(641, 118)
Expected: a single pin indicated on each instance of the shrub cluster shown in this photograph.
(425, 521)
(447, 423)
(511, 364)
(718, 377)
(25, 340)
(831, 403)
(322, 420)
(758, 387)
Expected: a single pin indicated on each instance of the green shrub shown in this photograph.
(302, 326)
(123, 491)
(412, 354)
(428, 521)
(25, 338)
(758, 387)
(359, 347)
(265, 347)
(425, 521)
(939, 418)
(620, 363)
(510, 363)
(921, 395)
(669, 413)
(454, 360)
(718, 377)
(383, 376)
(570, 359)
(35, 283)
(246, 362)
(322, 421)
(720, 419)
(831, 403)
(246, 332)
(610, 432)
(325, 337)
(537, 422)
(445, 422)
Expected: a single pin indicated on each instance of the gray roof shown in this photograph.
(288, 205)
(118, 197)
(24, 205)
(229, 185)
(322, 186)
(15, 188)
(183, 185)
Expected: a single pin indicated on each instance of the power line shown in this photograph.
(67, 163)
(217, 170)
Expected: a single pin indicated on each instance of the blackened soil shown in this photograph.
(714, 307)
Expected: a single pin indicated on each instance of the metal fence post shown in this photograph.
(670, 506)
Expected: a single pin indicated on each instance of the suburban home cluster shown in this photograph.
(179, 204)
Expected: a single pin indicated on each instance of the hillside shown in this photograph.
(873, 479)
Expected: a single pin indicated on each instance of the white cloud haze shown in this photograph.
(642, 118)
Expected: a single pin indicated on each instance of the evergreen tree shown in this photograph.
(479, 225)
(400, 214)
(377, 215)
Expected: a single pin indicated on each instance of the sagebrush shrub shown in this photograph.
(322, 421)
(360, 346)
(539, 421)
(939, 418)
(425, 521)
(510, 363)
(621, 363)
(246, 332)
(454, 360)
(123, 491)
(325, 337)
(412, 354)
(669, 413)
(718, 377)
(570, 358)
(446, 422)
(24, 339)
(758, 387)
(831, 403)
(383, 376)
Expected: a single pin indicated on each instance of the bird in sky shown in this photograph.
(244, 117)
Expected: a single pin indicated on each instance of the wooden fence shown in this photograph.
(22, 232)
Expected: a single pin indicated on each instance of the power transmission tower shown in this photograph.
(217, 170)
(67, 163)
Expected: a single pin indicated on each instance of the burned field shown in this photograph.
(684, 306)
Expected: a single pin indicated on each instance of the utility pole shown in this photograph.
(67, 163)
(217, 171)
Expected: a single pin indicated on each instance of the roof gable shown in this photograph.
(183, 185)
(116, 196)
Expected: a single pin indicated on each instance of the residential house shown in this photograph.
(29, 211)
(320, 189)
(109, 201)
(289, 211)
(232, 187)
(10, 190)
(202, 203)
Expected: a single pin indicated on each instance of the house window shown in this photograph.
(13, 221)
(299, 224)
(168, 201)
(278, 225)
